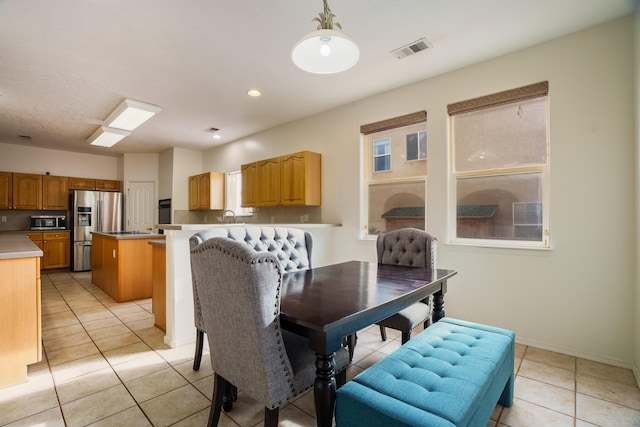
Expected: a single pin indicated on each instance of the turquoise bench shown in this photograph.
(451, 374)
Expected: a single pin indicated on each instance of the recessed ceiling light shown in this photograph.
(216, 137)
(253, 92)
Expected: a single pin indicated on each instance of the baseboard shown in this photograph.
(575, 353)
(636, 373)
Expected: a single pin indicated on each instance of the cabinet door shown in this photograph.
(300, 179)
(56, 249)
(249, 185)
(27, 191)
(6, 190)
(211, 190)
(194, 193)
(55, 193)
(111, 273)
(82, 183)
(108, 185)
(204, 189)
(268, 180)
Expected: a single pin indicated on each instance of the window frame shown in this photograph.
(426, 143)
(375, 156)
(537, 90)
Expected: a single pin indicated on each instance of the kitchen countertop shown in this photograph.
(204, 226)
(17, 245)
(128, 235)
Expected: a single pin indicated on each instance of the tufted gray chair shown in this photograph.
(239, 291)
(415, 248)
(291, 246)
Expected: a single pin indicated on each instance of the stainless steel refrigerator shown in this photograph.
(92, 211)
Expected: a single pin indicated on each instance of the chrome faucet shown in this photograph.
(224, 214)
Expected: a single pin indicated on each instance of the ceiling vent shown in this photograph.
(24, 137)
(412, 48)
(211, 130)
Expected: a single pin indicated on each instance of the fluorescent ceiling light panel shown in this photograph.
(130, 114)
(107, 137)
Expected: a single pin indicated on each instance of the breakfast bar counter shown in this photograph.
(180, 328)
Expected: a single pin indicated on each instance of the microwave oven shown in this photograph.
(48, 222)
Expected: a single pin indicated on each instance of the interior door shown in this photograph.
(140, 206)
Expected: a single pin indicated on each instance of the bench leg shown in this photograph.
(506, 399)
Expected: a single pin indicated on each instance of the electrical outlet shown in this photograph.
(4, 218)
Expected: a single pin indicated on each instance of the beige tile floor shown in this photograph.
(105, 364)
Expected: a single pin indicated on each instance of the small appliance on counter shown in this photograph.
(48, 222)
(92, 211)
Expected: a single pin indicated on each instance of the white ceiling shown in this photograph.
(66, 64)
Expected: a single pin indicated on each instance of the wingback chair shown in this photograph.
(415, 248)
(291, 246)
(239, 291)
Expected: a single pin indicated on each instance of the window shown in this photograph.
(416, 146)
(394, 188)
(499, 167)
(234, 194)
(381, 155)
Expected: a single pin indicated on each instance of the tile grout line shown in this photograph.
(148, 346)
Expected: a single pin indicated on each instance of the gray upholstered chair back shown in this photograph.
(240, 297)
(407, 246)
(291, 246)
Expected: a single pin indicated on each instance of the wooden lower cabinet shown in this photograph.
(20, 319)
(122, 267)
(56, 248)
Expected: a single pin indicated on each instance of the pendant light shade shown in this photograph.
(325, 51)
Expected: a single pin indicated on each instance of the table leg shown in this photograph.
(438, 305)
(324, 389)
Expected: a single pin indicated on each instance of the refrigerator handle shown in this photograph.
(98, 216)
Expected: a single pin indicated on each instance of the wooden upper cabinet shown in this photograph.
(6, 190)
(291, 180)
(27, 191)
(249, 184)
(76, 183)
(300, 179)
(55, 193)
(108, 185)
(268, 182)
(206, 191)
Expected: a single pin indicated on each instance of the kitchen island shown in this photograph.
(121, 264)
(20, 316)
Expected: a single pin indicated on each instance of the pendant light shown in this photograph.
(325, 51)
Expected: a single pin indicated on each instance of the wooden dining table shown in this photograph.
(328, 303)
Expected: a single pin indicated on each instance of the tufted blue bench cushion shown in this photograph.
(451, 374)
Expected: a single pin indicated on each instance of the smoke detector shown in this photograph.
(412, 48)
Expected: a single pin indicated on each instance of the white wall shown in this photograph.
(165, 174)
(23, 159)
(577, 298)
(185, 164)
